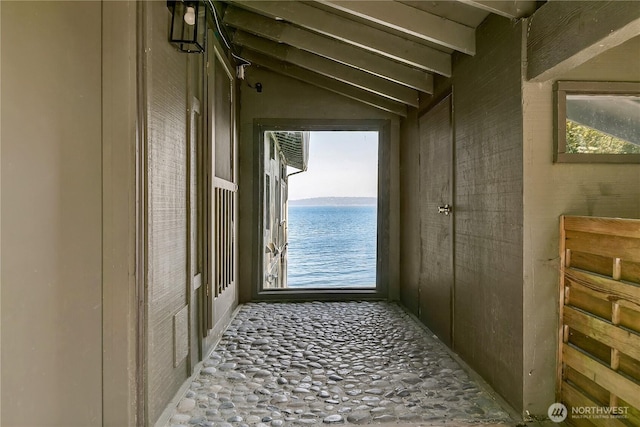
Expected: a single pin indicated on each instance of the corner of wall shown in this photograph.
(550, 190)
(409, 249)
(540, 256)
(0, 213)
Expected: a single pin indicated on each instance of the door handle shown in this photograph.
(446, 209)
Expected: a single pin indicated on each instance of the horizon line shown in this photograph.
(335, 197)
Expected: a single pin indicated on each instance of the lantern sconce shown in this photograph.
(188, 24)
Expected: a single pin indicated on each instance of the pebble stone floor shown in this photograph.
(290, 364)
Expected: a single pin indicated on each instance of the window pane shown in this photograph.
(603, 124)
(222, 119)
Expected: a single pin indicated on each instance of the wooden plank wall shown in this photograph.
(599, 350)
(165, 80)
(488, 208)
(410, 213)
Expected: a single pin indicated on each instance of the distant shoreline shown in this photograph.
(335, 201)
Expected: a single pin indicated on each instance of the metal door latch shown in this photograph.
(446, 209)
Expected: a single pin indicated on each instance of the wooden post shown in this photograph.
(562, 331)
(617, 268)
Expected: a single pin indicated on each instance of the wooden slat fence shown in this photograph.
(224, 236)
(599, 350)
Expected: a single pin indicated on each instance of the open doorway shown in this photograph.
(320, 210)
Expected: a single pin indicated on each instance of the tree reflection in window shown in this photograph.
(586, 140)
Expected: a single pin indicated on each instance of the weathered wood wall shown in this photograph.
(190, 213)
(166, 103)
(487, 128)
(599, 356)
(409, 211)
(562, 35)
(436, 229)
(488, 207)
(410, 202)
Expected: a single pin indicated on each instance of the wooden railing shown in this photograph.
(599, 350)
(224, 235)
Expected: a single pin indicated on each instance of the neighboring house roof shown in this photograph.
(295, 147)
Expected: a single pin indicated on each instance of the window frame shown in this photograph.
(564, 88)
(383, 245)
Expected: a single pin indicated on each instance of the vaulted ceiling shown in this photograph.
(383, 53)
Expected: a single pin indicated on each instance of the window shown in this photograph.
(345, 261)
(597, 122)
(223, 119)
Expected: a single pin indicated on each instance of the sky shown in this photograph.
(341, 164)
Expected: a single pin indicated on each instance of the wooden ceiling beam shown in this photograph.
(329, 68)
(432, 60)
(565, 34)
(324, 82)
(411, 21)
(512, 9)
(351, 32)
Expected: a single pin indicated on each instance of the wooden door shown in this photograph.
(220, 289)
(196, 205)
(436, 223)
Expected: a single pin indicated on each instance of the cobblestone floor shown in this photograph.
(289, 364)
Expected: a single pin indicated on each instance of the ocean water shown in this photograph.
(332, 246)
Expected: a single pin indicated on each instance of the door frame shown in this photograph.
(383, 263)
(195, 199)
(217, 308)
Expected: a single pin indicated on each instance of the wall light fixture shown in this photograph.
(187, 25)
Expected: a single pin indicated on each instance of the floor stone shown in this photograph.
(350, 363)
